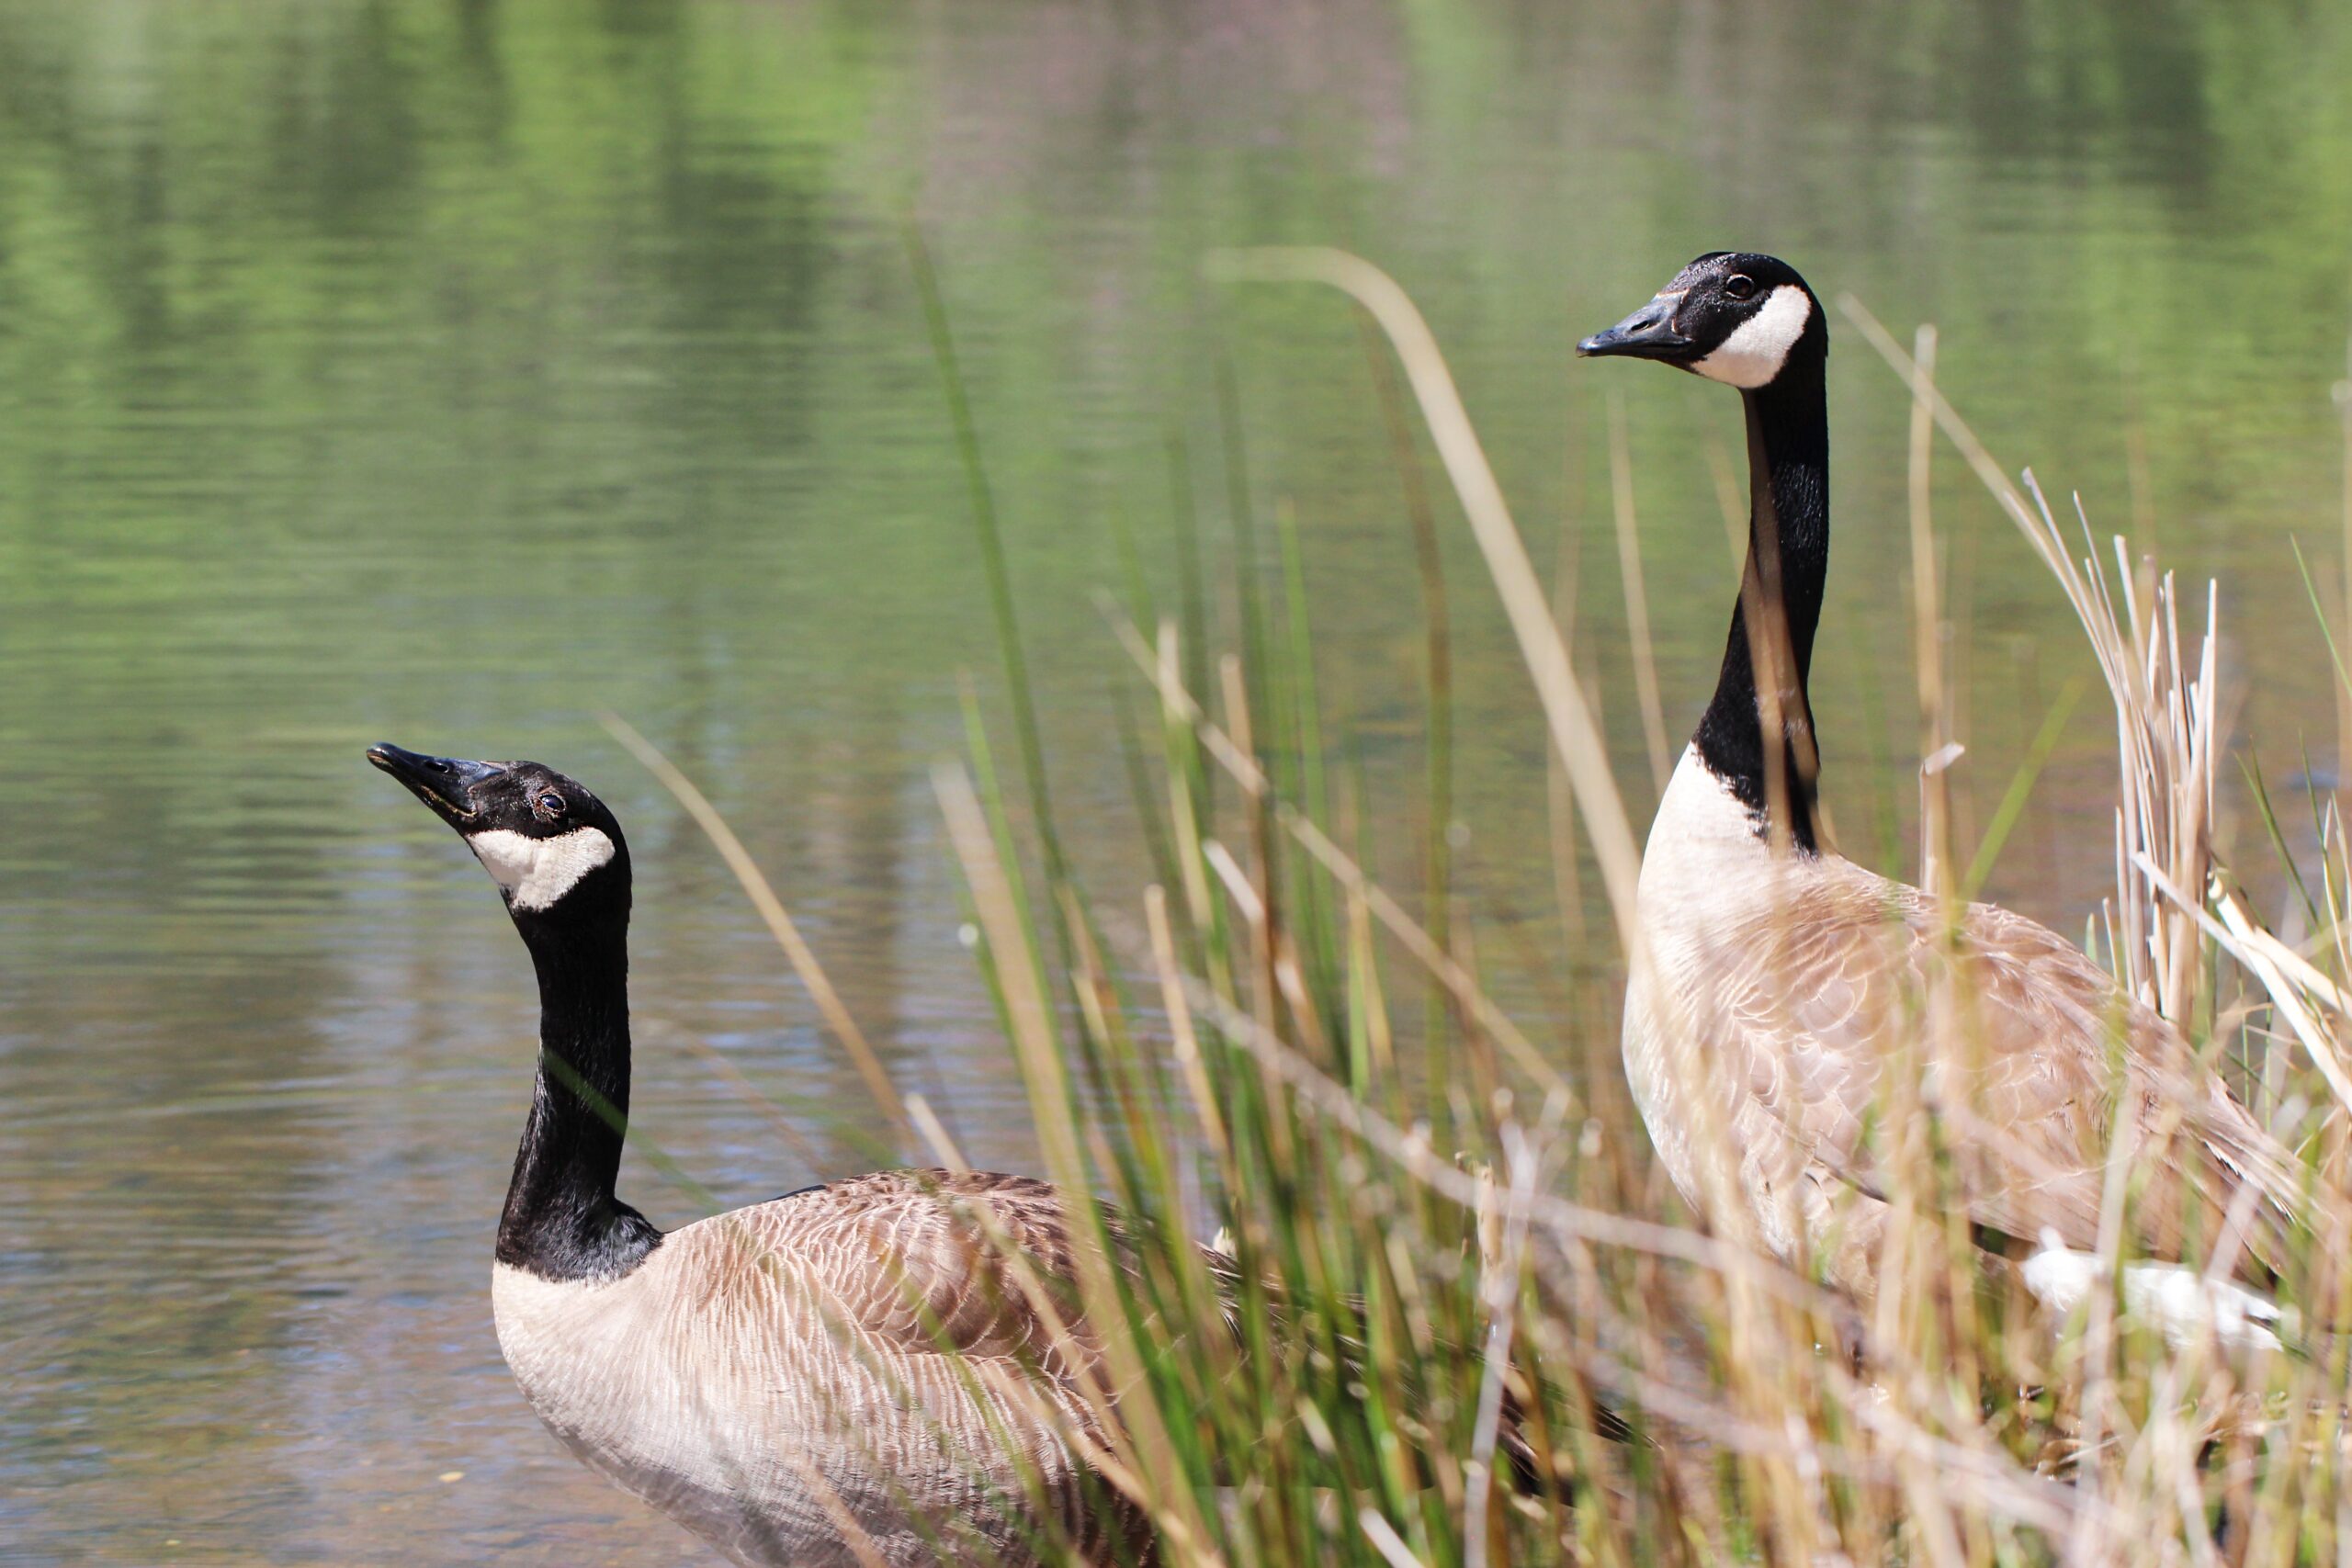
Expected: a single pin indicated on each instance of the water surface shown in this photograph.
(447, 371)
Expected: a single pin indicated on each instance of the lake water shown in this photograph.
(445, 371)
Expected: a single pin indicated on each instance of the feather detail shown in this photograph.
(1802, 980)
(849, 1372)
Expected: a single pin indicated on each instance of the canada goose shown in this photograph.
(777, 1379)
(1781, 977)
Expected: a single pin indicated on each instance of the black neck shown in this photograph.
(562, 1219)
(1779, 602)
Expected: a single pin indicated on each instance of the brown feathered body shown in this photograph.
(1782, 994)
(849, 1375)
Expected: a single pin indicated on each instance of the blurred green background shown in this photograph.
(446, 370)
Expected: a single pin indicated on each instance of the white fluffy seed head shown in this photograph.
(537, 871)
(1755, 352)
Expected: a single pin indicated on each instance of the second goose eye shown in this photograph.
(1739, 286)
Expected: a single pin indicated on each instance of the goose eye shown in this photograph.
(548, 806)
(1739, 286)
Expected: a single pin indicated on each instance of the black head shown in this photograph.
(547, 843)
(1732, 316)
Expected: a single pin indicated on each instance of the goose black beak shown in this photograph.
(445, 783)
(1648, 333)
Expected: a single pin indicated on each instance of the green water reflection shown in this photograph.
(446, 370)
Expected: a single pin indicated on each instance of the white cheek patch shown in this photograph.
(537, 871)
(1752, 355)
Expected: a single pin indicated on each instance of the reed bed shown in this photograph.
(1384, 1277)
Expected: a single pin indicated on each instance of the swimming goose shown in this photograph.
(844, 1375)
(1781, 980)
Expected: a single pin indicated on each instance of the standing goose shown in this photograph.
(1782, 978)
(846, 1375)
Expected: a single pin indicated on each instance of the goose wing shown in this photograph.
(914, 1263)
(907, 1272)
(876, 1333)
(2057, 1019)
(2040, 1053)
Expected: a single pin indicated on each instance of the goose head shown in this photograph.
(553, 848)
(1731, 316)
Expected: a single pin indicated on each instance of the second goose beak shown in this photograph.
(445, 783)
(1648, 333)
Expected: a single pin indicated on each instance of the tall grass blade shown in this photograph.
(1583, 752)
(1637, 598)
(772, 912)
(991, 547)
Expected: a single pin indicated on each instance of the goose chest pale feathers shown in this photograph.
(851, 1375)
(1784, 986)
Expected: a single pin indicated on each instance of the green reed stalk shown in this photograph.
(1184, 533)
(1243, 516)
(991, 547)
(1437, 621)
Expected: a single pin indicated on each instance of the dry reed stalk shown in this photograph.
(1728, 501)
(1385, 1540)
(1184, 711)
(1559, 799)
(771, 908)
(1637, 598)
(1180, 1027)
(1499, 1292)
(2343, 390)
(2165, 715)
(1437, 617)
(1583, 751)
(1928, 626)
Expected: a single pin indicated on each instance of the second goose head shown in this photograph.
(554, 849)
(1749, 321)
(1731, 316)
